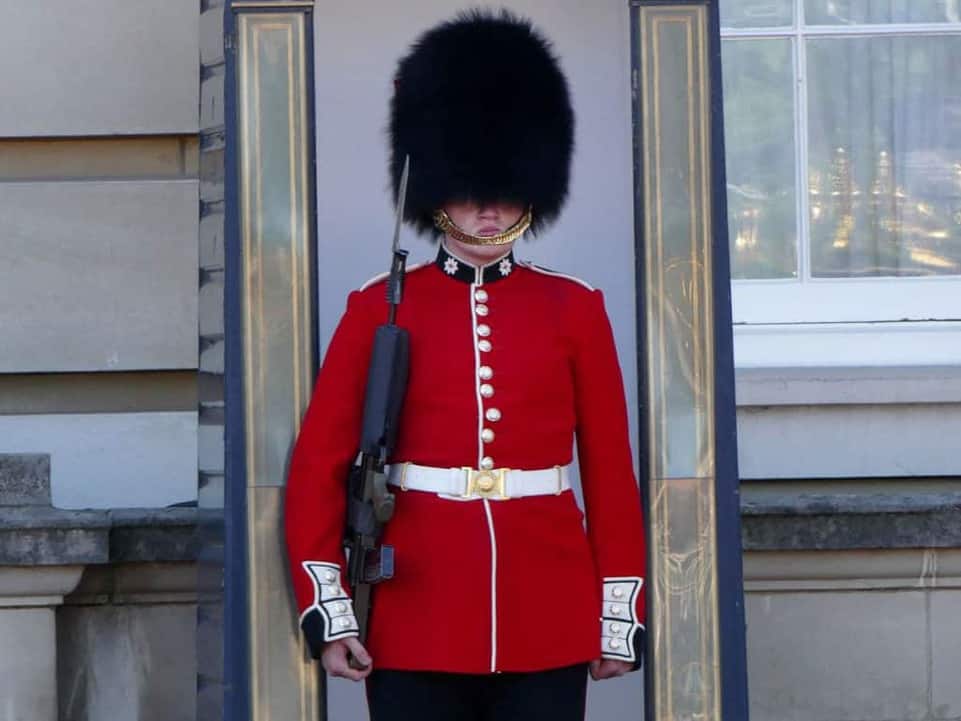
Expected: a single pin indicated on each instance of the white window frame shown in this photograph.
(855, 322)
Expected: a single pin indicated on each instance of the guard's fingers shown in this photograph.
(335, 659)
(359, 652)
(336, 664)
(594, 667)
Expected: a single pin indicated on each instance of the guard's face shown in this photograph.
(483, 218)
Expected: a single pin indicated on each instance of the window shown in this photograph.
(843, 139)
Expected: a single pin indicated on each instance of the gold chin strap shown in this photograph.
(448, 226)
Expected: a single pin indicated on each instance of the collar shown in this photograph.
(461, 270)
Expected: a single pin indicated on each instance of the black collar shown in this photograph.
(454, 267)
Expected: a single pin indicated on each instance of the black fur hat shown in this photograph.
(482, 107)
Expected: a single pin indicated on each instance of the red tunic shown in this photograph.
(480, 585)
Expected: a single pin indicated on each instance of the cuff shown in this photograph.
(331, 615)
(622, 633)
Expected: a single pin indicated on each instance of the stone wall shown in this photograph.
(99, 165)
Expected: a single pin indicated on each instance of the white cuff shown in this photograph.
(619, 622)
(331, 600)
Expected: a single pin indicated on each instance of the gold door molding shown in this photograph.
(676, 210)
(276, 232)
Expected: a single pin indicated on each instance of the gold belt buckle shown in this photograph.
(486, 484)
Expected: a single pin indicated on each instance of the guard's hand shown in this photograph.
(334, 659)
(602, 668)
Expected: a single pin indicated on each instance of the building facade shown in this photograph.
(843, 164)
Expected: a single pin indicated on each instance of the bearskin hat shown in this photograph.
(483, 109)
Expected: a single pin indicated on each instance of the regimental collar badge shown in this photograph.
(455, 267)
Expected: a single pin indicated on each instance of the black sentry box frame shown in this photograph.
(730, 579)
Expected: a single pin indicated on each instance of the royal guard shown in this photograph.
(497, 585)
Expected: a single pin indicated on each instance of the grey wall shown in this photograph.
(98, 275)
(98, 67)
(98, 246)
(355, 60)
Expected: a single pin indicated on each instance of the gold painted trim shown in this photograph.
(283, 681)
(675, 688)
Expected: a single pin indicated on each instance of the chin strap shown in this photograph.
(448, 226)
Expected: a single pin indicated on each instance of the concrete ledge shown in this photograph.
(43, 536)
(142, 535)
(841, 522)
(33, 535)
(38, 536)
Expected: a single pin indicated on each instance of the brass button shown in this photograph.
(615, 628)
(481, 310)
(485, 482)
(617, 592)
(615, 643)
(480, 295)
(616, 610)
(493, 415)
(484, 345)
(483, 330)
(330, 576)
(487, 435)
(486, 390)
(485, 372)
(487, 463)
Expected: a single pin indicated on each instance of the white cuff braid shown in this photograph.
(331, 615)
(622, 634)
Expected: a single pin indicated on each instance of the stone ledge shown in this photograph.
(849, 521)
(38, 536)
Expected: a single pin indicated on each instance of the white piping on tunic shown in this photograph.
(490, 527)
(480, 454)
(383, 276)
(544, 271)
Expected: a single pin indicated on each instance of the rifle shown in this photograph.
(369, 504)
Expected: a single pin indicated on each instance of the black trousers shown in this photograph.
(553, 695)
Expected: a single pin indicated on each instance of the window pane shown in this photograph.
(756, 13)
(759, 140)
(884, 156)
(847, 12)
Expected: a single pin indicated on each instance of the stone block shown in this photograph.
(852, 441)
(28, 665)
(212, 355)
(39, 536)
(837, 656)
(212, 100)
(24, 479)
(83, 158)
(210, 446)
(946, 653)
(127, 662)
(211, 491)
(212, 241)
(211, 303)
(99, 276)
(99, 67)
(140, 535)
(212, 175)
(212, 36)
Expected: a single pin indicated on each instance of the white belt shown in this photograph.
(469, 483)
